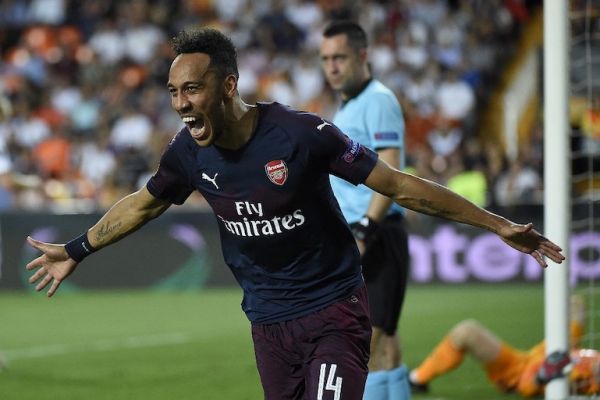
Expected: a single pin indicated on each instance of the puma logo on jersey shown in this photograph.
(323, 125)
(212, 180)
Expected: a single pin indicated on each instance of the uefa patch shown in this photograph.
(277, 171)
(387, 135)
(352, 151)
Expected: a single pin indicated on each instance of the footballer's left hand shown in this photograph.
(526, 239)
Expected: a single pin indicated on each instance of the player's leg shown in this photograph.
(468, 336)
(471, 337)
(337, 349)
(387, 348)
(279, 365)
(376, 387)
(385, 266)
(398, 385)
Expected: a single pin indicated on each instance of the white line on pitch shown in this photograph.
(101, 345)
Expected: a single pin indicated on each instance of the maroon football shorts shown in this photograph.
(321, 356)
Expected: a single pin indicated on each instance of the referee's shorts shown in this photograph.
(385, 268)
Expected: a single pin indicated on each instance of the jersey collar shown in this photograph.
(358, 92)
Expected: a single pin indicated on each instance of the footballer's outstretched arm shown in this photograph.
(125, 217)
(430, 198)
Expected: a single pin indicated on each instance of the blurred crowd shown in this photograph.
(85, 114)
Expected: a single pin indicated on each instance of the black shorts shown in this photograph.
(385, 268)
(323, 355)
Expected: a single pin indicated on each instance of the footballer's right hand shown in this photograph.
(54, 265)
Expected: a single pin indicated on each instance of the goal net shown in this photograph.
(580, 44)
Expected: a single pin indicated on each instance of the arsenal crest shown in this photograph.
(277, 171)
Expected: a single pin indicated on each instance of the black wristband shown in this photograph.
(364, 229)
(79, 248)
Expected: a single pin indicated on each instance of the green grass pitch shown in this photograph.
(146, 345)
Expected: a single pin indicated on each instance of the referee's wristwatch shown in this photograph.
(364, 229)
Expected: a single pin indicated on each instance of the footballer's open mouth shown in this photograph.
(196, 127)
(193, 122)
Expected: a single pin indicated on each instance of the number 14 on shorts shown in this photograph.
(329, 384)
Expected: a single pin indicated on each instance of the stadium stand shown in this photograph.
(85, 113)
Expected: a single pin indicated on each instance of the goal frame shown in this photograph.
(557, 181)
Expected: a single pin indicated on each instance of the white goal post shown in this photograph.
(557, 181)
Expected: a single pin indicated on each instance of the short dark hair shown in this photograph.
(357, 37)
(212, 42)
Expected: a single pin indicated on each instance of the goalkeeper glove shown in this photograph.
(556, 365)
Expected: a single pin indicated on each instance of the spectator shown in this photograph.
(441, 157)
(96, 160)
(518, 184)
(53, 155)
(91, 58)
(131, 130)
(85, 114)
(455, 99)
(470, 182)
(51, 12)
(412, 50)
(307, 79)
(108, 43)
(141, 38)
(27, 129)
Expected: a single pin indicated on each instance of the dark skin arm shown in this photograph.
(125, 217)
(430, 198)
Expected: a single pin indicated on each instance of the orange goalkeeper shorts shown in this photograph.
(506, 370)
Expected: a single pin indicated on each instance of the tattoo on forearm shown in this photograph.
(426, 207)
(107, 229)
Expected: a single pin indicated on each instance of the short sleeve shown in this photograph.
(171, 181)
(345, 158)
(385, 121)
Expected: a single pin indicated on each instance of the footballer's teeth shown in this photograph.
(193, 122)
